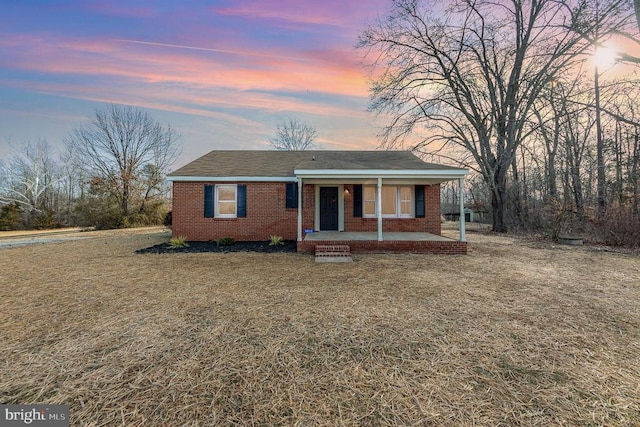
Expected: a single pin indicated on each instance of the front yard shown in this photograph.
(515, 333)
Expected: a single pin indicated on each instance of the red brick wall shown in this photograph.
(308, 206)
(267, 215)
(429, 224)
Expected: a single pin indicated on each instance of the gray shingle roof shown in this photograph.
(230, 163)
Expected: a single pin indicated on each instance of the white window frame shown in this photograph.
(411, 200)
(217, 202)
(365, 201)
(398, 202)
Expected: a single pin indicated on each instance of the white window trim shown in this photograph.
(217, 213)
(365, 200)
(398, 202)
(412, 203)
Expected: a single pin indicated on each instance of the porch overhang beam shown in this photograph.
(435, 176)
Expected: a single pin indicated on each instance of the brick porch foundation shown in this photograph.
(390, 246)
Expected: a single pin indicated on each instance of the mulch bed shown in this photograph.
(199, 247)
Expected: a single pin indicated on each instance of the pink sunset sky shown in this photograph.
(222, 73)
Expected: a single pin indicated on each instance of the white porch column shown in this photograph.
(379, 209)
(463, 237)
(299, 209)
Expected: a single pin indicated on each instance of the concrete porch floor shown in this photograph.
(320, 236)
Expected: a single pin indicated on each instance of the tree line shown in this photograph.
(509, 90)
(111, 174)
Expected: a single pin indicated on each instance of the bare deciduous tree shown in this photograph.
(29, 177)
(472, 73)
(292, 135)
(119, 146)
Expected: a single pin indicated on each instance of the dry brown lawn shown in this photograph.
(515, 333)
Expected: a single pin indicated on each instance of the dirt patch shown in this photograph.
(510, 334)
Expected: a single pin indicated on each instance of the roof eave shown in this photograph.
(443, 174)
(186, 178)
(446, 174)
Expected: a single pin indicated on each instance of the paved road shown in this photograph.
(31, 237)
(14, 239)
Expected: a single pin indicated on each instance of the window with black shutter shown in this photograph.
(225, 201)
(419, 196)
(208, 201)
(292, 195)
(242, 201)
(357, 201)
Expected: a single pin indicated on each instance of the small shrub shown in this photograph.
(125, 222)
(168, 219)
(619, 226)
(275, 240)
(10, 217)
(178, 242)
(153, 213)
(99, 213)
(225, 241)
(46, 220)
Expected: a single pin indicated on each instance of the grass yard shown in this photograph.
(515, 333)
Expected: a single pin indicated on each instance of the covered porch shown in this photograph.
(415, 233)
(386, 208)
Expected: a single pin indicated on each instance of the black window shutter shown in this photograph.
(357, 201)
(242, 201)
(208, 201)
(292, 195)
(419, 193)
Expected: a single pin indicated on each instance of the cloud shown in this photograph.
(113, 8)
(191, 66)
(234, 70)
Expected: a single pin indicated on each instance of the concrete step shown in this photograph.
(334, 259)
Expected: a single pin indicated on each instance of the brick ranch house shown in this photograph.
(374, 201)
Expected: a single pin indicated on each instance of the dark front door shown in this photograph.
(328, 208)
